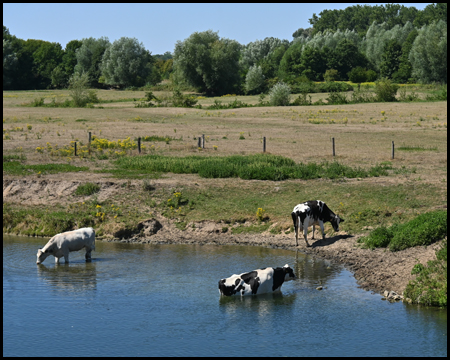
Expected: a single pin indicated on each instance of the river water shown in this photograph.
(163, 300)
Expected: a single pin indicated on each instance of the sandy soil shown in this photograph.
(376, 270)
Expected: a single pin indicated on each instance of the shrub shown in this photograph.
(423, 230)
(279, 94)
(337, 98)
(357, 75)
(331, 75)
(87, 189)
(335, 86)
(254, 80)
(385, 90)
(371, 75)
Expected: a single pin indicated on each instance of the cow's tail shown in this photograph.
(93, 242)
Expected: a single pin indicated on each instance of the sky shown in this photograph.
(160, 26)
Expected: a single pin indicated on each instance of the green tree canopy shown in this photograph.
(126, 63)
(89, 56)
(208, 62)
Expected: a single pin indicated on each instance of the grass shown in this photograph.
(430, 286)
(423, 230)
(417, 148)
(251, 167)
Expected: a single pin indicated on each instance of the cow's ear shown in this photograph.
(341, 220)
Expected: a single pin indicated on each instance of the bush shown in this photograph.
(87, 189)
(371, 75)
(279, 94)
(385, 90)
(357, 75)
(331, 75)
(337, 98)
(423, 230)
(335, 86)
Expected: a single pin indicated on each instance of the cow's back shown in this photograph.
(76, 240)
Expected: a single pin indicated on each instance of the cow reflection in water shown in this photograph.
(70, 279)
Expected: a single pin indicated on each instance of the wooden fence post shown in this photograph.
(392, 153)
(203, 141)
(334, 152)
(264, 144)
(89, 143)
(139, 144)
(199, 142)
(75, 144)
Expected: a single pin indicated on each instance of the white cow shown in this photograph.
(61, 244)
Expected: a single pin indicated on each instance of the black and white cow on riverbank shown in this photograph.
(61, 244)
(256, 282)
(313, 212)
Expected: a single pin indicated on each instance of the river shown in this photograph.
(163, 300)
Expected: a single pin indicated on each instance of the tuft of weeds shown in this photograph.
(87, 189)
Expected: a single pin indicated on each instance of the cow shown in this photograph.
(259, 281)
(313, 212)
(61, 244)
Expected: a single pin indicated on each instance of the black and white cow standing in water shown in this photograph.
(256, 282)
(313, 212)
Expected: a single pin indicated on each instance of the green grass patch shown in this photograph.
(87, 189)
(251, 167)
(14, 157)
(259, 228)
(423, 230)
(430, 286)
(16, 168)
(417, 148)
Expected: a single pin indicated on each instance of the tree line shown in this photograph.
(360, 43)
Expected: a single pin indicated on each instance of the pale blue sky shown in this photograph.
(159, 26)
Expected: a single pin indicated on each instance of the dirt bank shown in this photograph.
(376, 270)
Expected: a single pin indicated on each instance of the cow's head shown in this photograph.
(288, 273)
(335, 221)
(42, 255)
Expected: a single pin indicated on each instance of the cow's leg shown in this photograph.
(314, 230)
(297, 224)
(305, 234)
(321, 228)
(56, 260)
(88, 255)
(66, 257)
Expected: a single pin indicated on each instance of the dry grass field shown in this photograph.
(363, 132)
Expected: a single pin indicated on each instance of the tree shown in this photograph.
(404, 73)
(126, 63)
(69, 59)
(390, 59)
(290, 63)
(313, 63)
(331, 75)
(428, 54)
(89, 56)
(255, 51)
(345, 57)
(9, 62)
(254, 79)
(302, 32)
(208, 62)
(46, 58)
(271, 63)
